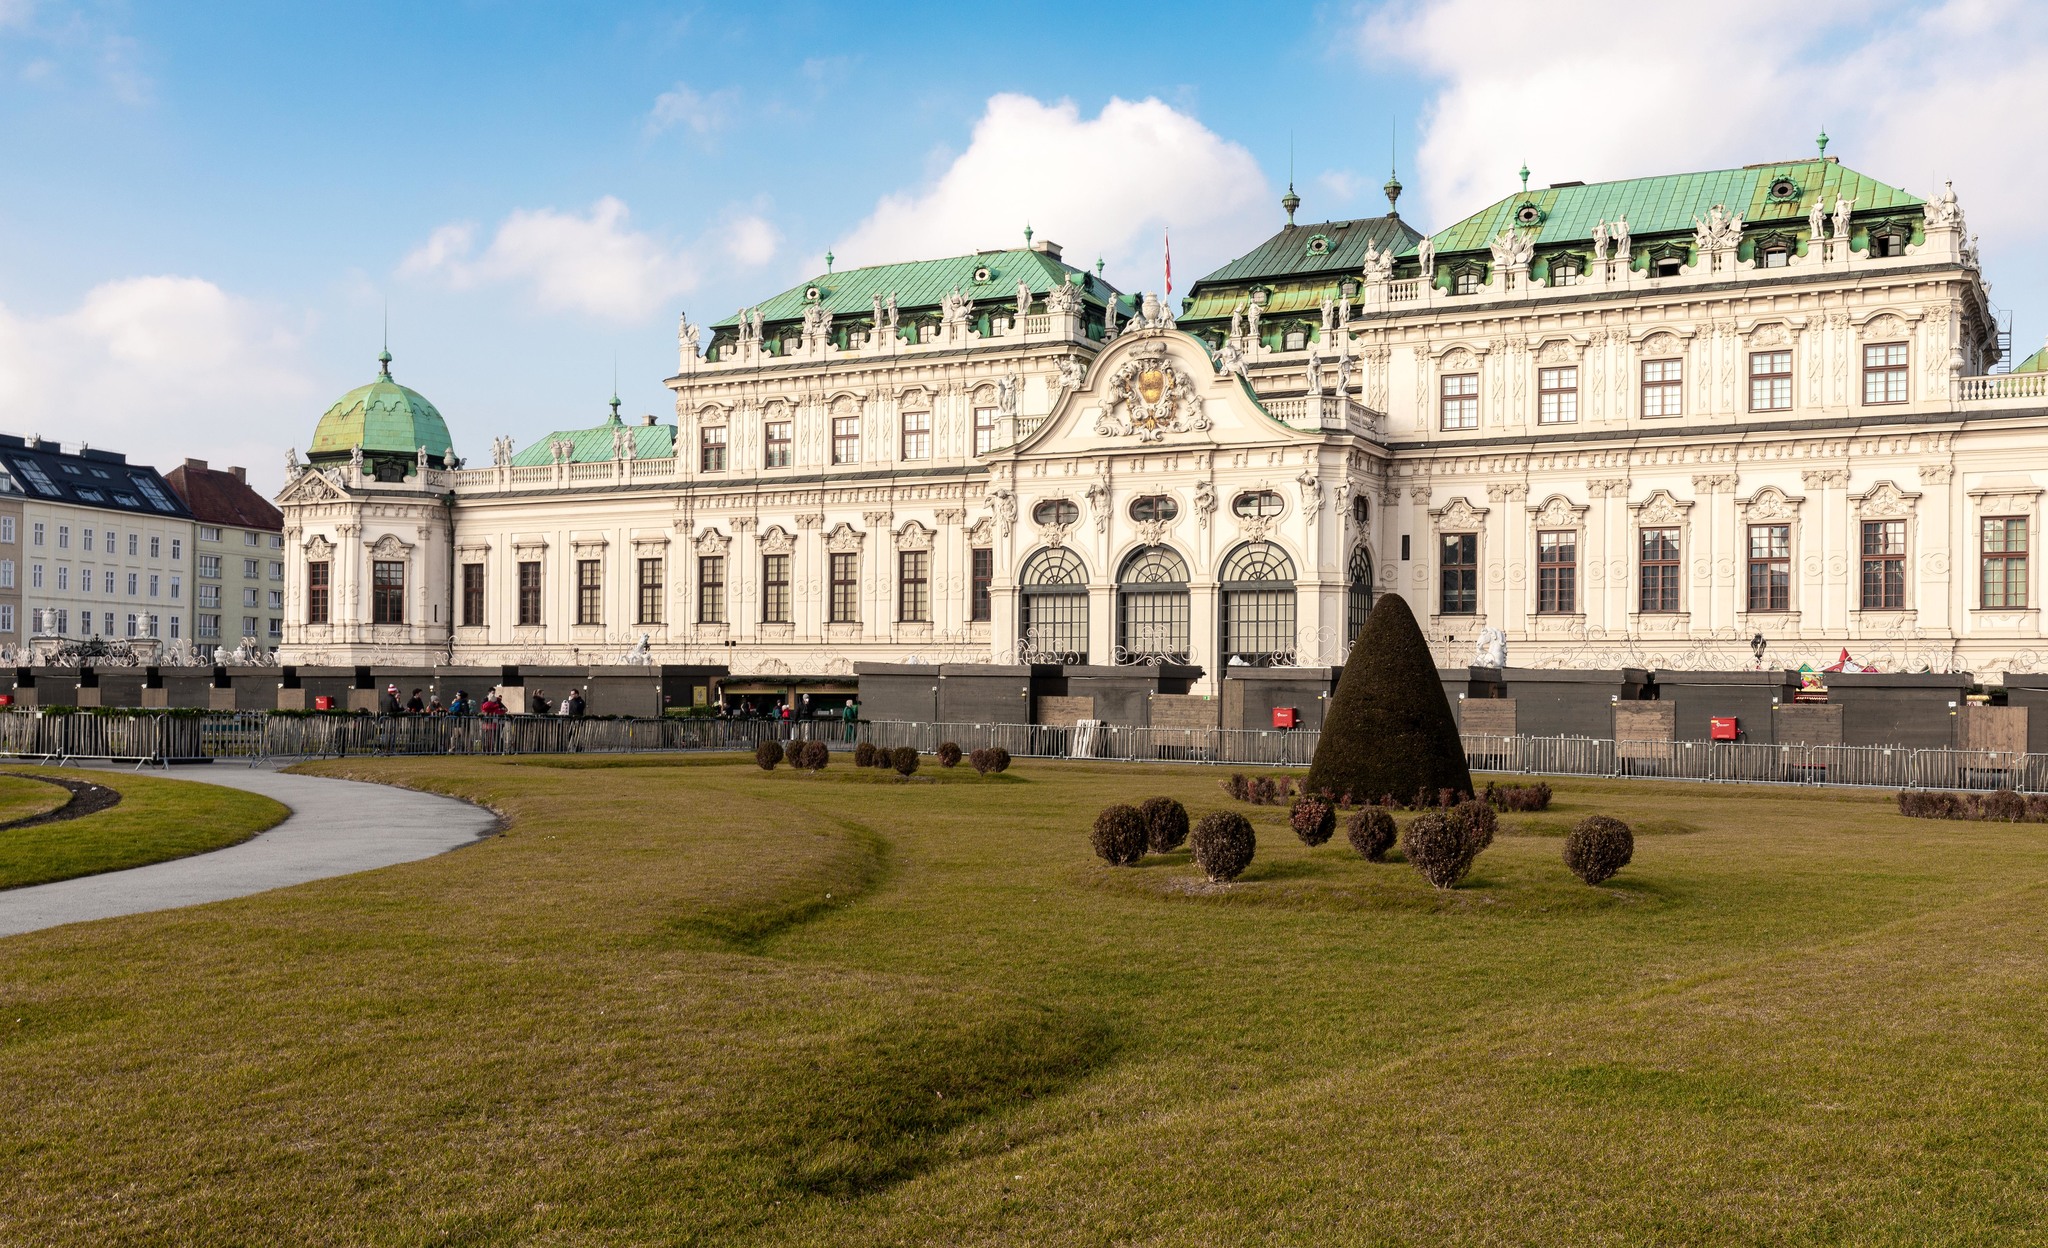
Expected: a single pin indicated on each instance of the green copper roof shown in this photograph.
(923, 283)
(1293, 253)
(1667, 205)
(382, 417)
(2035, 363)
(598, 444)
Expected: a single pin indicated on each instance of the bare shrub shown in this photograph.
(1371, 832)
(949, 754)
(904, 759)
(767, 754)
(1436, 846)
(1597, 847)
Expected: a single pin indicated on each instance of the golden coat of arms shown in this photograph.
(1155, 398)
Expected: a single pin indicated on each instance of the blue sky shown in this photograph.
(206, 207)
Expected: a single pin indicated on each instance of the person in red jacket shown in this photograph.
(493, 711)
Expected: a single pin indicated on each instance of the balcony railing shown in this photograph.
(2004, 386)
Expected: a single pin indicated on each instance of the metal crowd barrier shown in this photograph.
(144, 738)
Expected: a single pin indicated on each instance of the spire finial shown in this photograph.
(1822, 140)
(1027, 234)
(1098, 266)
(828, 261)
(1525, 177)
(384, 355)
(1290, 201)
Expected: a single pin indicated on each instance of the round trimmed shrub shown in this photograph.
(1436, 846)
(1119, 836)
(904, 759)
(1223, 844)
(1314, 820)
(767, 754)
(1598, 847)
(1372, 833)
(1166, 824)
(982, 761)
(1478, 822)
(815, 754)
(864, 754)
(949, 754)
(999, 758)
(2005, 806)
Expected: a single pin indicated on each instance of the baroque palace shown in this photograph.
(1639, 423)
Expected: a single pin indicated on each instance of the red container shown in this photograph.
(323, 703)
(1721, 728)
(1285, 716)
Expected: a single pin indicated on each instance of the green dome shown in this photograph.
(384, 418)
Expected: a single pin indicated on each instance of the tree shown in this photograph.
(1389, 730)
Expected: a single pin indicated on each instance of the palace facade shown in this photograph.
(1642, 423)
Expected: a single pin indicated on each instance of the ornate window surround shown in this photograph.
(1989, 500)
(1659, 511)
(1556, 514)
(1768, 505)
(1456, 516)
(1884, 500)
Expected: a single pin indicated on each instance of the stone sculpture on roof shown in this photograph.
(1842, 209)
(1722, 229)
(686, 338)
(1425, 256)
(1378, 266)
(1942, 209)
(1621, 243)
(1817, 220)
(1512, 250)
(1600, 241)
(1063, 299)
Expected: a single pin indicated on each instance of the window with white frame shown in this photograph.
(1663, 388)
(1884, 372)
(1557, 396)
(917, 435)
(1770, 381)
(1460, 394)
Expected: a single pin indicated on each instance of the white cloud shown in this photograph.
(701, 114)
(593, 264)
(1910, 94)
(751, 241)
(1106, 185)
(159, 368)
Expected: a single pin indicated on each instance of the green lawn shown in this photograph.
(156, 820)
(21, 798)
(694, 1003)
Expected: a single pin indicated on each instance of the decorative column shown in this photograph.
(952, 574)
(878, 578)
(743, 568)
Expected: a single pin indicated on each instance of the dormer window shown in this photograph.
(812, 294)
(1783, 190)
(1776, 256)
(1564, 272)
(1528, 214)
(1297, 340)
(1318, 245)
(982, 274)
(1667, 266)
(1888, 239)
(1466, 282)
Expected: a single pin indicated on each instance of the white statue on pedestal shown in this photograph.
(1493, 649)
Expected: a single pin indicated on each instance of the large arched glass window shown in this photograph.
(1358, 599)
(1257, 593)
(1152, 608)
(1052, 611)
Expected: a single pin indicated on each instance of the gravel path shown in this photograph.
(337, 827)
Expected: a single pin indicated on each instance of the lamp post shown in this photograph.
(1756, 647)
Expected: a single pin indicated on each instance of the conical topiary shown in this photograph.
(1389, 730)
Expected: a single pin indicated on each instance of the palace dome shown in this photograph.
(384, 418)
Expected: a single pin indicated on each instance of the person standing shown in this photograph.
(416, 704)
(850, 712)
(540, 704)
(388, 704)
(575, 704)
(493, 711)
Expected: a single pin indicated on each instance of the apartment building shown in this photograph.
(238, 557)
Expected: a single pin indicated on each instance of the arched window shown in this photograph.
(1358, 599)
(1152, 608)
(1052, 611)
(1257, 594)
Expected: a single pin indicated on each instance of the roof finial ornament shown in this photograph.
(1525, 177)
(1393, 186)
(1822, 140)
(384, 355)
(1027, 234)
(1098, 266)
(828, 262)
(1290, 201)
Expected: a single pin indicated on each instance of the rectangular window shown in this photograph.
(589, 591)
(1884, 565)
(276, 626)
(209, 565)
(6, 529)
(209, 626)
(35, 576)
(775, 446)
(775, 589)
(984, 430)
(650, 591)
(1659, 590)
(529, 593)
(209, 595)
(156, 549)
(316, 594)
(2005, 562)
(248, 539)
(63, 576)
(63, 537)
(208, 533)
(1664, 388)
(1459, 575)
(984, 576)
(276, 570)
(846, 439)
(155, 584)
(472, 595)
(36, 532)
(1770, 567)
(251, 568)
(1557, 396)
(387, 591)
(132, 538)
(1770, 381)
(6, 617)
(1884, 372)
(845, 587)
(177, 548)
(711, 589)
(1461, 401)
(134, 625)
(109, 617)
(917, 435)
(1557, 572)
(712, 448)
(913, 585)
(276, 602)
(85, 539)
(177, 586)
(248, 597)
(6, 574)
